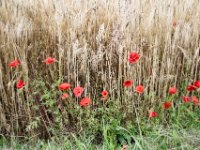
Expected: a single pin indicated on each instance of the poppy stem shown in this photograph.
(137, 118)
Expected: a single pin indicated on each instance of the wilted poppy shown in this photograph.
(14, 63)
(49, 60)
(64, 96)
(85, 102)
(104, 93)
(124, 147)
(167, 105)
(174, 23)
(186, 99)
(133, 57)
(64, 86)
(195, 100)
(128, 83)
(153, 114)
(20, 84)
(172, 90)
(191, 88)
(139, 89)
(197, 84)
(78, 91)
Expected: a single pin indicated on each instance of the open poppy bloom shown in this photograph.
(64, 96)
(78, 91)
(197, 84)
(85, 102)
(128, 83)
(191, 88)
(172, 90)
(14, 63)
(104, 93)
(167, 105)
(64, 86)
(139, 89)
(195, 100)
(20, 84)
(153, 114)
(186, 99)
(49, 60)
(133, 57)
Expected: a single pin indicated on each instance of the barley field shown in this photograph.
(100, 74)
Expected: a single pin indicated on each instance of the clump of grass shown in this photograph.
(158, 138)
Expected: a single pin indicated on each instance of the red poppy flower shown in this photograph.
(174, 24)
(85, 102)
(139, 89)
(64, 86)
(104, 93)
(195, 100)
(197, 84)
(20, 84)
(128, 83)
(153, 114)
(133, 57)
(64, 96)
(49, 60)
(172, 90)
(167, 105)
(186, 99)
(78, 91)
(191, 88)
(14, 63)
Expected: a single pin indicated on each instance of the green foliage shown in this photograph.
(109, 123)
(159, 138)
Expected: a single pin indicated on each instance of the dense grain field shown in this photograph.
(88, 43)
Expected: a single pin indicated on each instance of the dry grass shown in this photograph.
(92, 40)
